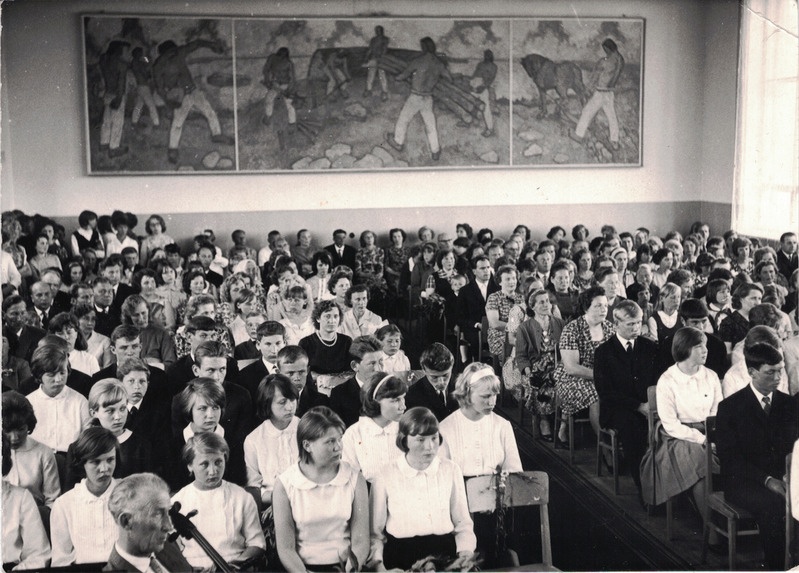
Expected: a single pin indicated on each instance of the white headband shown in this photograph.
(484, 372)
(378, 385)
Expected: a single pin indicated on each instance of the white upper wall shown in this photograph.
(688, 127)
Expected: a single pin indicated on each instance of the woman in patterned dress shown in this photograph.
(574, 376)
(498, 306)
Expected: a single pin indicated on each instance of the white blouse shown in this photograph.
(24, 539)
(268, 452)
(100, 348)
(368, 447)
(34, 468)
(397, 363)
(407, 502)
(59, 420)
(82, 529)
(480, 447)
(684, 399)
(369, 324)
(84, 361)
(321, 513)
(226, 516)
(296, 332)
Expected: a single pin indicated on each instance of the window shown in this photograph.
(766, 196)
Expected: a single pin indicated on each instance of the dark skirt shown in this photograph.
(403, 552)
(673, 467)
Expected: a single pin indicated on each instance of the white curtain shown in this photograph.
(766, 196)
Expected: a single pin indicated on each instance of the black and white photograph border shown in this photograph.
(260, 95)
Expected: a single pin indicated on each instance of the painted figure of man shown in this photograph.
(425, 72)
(337, 72)
(176, 85)
(605, 76)
(378, 46)
(279, 80)
(481, 84)
(114, 65)
(142, 72)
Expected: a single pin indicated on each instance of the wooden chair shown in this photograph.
(790, 524)
(652, 418)
(717, 504)
(608, 439)
(571, 422)
(522, 489)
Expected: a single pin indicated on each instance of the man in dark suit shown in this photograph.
(756, 430)
(13, 319)
(148, 404)
(111, 268)
(625, 366)
(367, 358)
(140, 507)
(292, 362)
(340, 253)
(61, 301)
(787, 257)
(105, 319)
(471, 305)
(270, 338)
(42, 302)
(432, 391)
(125, 344)
(693, 312)
(199, 329)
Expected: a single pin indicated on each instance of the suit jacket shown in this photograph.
(786, 267)
(123, 292)
(622, 380)
(107, 321)
(157, 376)
(170, 557)
(28, 339)
(345, 400)
(348, 258)
(423, 393)
(51, 312)
(310, 397)
(181, 373)
(151, 420)
(250, 377)
(471, 306)
(751, 445)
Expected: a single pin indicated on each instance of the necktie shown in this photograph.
(766, 404)
(629, 347)
(443, 397)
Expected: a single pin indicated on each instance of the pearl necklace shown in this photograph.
(331, 344)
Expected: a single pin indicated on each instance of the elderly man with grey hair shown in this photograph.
(140, 506)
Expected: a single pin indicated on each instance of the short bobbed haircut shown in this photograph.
(474, 374)
(134, 493)
(742, 292)
(380, 386)
(322, 256)
(353, 290)
(417, 421)
(205, 389)
(714, 287)
(587, 297)
(48, 359)
(685, 340)
(758, 355)
(666, 291)
(204, 443)
(313, 425)
(321, 308)
(105, 393)
(17, 412)
(158, 218)
(63, 320)
(92, 442)
(738, 244)
(267, 390)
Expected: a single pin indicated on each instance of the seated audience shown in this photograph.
(270, 339)
(394, 358)
(366, 359)
(328, 351)
(98, 345)
(321, 264)
(733, 329)
(666, 319)
(292, 362)
(157, 345)
(297, 315)
(357, 320)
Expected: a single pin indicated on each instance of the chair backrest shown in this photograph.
(710, 434)
(483, 337)
(789, 518)
(651, 413)
(521, 489)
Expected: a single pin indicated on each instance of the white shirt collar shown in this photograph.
(408, 471)
(624, 341)
(140, 563)
(188, 432)
(358, 380)
(270, 367)
(760, 396)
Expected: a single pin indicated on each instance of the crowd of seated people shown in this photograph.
(282, 378)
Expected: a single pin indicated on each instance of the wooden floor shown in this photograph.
(633, 540)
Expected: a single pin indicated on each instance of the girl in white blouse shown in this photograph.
(479, 441)
(394, 359)
(272, 447)
(687, 393)
(320, 504)
(226, 513)
(418, 501)
(66, 326)
(82, 529)
(369, 444)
